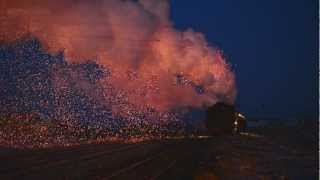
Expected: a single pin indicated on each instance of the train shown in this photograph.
(224, 119)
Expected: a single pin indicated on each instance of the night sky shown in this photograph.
(271, 45)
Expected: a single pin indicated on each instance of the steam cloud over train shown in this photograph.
(106, 65)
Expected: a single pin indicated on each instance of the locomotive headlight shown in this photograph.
(235, 123)
(241, 116)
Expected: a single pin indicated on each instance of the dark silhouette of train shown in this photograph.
(224, 119)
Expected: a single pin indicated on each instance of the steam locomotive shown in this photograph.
(224, 119)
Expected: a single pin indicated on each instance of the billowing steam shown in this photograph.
(150, 63)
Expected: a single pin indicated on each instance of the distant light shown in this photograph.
(235, 122)
(204, 137)
(251, 135)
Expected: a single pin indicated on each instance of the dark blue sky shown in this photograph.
(272, 46)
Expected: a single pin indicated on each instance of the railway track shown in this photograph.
(45, 164)
(52, 167)
(162, 165)
(45, 157)
(132, 170)
(151, 160)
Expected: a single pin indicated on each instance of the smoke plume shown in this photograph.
(150, 63)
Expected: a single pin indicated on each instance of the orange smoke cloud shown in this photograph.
(135, 40)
